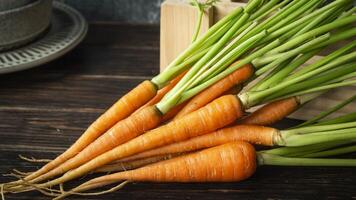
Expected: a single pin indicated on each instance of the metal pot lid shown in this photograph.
(68, 29)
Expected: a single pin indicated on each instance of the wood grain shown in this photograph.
(178, 23)
(43, 110)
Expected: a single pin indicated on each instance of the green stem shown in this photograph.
(251, 98)
(201, 7)
(264, 9)
(342, 119)
(252, 5)
(171, 99)
(265, 25)
(328, 112)
(332, 152)
(292, 16)
(269, 159)
(313, 83)
(345, 77)
(283, 57)
(300, 150)
(317, 31)
(191, 92)
(228, 57)
(338, 36)
(285, 71)
(322, 88)
(174, 71)
(161, 80)
(318, 137)
(334, 55)
(198, 27)
(264, 82)
(317, 20)
(302, 20)
(305, 98)
(233, 45)
(186, 64)
(317, 128)
(349, 12)
(212, 52)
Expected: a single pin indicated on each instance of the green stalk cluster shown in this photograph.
(277, 44)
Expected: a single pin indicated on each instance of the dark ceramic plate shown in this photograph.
(67, 30)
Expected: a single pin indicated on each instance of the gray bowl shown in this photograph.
(21, 25)
(11, 4)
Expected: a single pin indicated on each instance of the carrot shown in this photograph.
(160, 94)
(272, 112)
(113, 138)
(120, 110)
(213, 116)
(225, 163)
(165, 90)
(123, 166)
(249, 133)
(266, 115)
(216, 90)
(173, 112)
(234, 90)
(120, 133)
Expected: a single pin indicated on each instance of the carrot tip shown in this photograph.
(18, 172)
(72, 192)
(27, 186)
(34, 160)
(2, 191)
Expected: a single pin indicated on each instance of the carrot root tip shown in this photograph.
(23, 174)
(34, 160)
(25, 186)
(2, 191)
(73, 192)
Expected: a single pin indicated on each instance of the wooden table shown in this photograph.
(43, 110)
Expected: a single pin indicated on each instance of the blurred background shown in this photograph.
(125, 11)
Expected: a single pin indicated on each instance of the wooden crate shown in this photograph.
(178, 20)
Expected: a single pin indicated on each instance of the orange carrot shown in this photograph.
(248, 133)
(272, 112)
(173, 112)
(216, 90)
(120, 133)
(234, 90)
(213, 116)
(124, 166)
(229, 162)
(120, 110)
(160, 94)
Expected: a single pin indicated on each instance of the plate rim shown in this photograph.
(49, 58)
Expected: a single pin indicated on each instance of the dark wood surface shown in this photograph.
(43, 110)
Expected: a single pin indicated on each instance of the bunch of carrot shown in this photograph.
(194, 105)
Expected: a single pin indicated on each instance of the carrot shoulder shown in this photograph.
(120, 110)
(225, 163)
(216, 90)
(160, 94)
